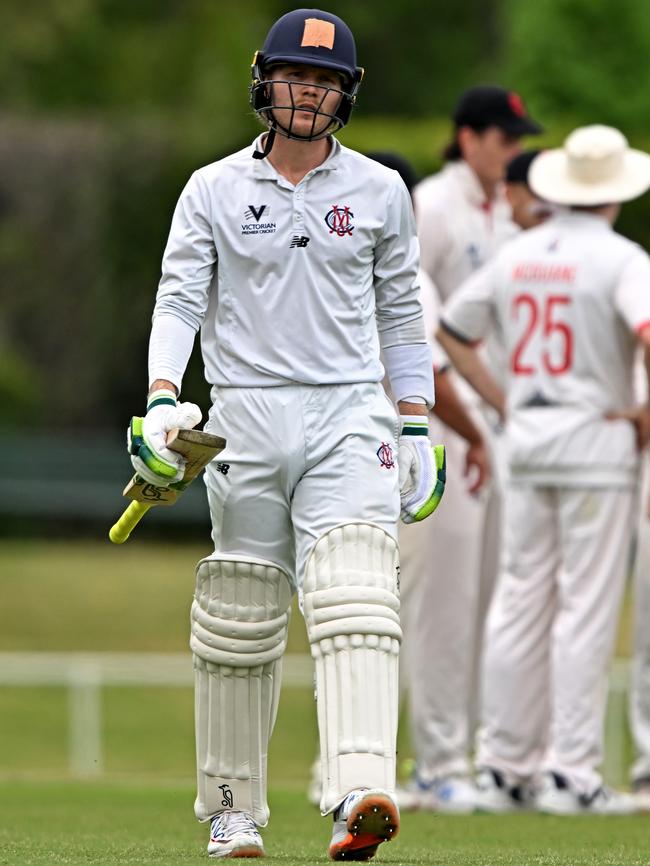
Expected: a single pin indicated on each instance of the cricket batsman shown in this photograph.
(297, 259)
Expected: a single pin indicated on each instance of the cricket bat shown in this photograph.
(198, 449)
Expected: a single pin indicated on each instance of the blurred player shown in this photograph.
(298, 260)
(571, 300)
(463, 218)
(528, 210)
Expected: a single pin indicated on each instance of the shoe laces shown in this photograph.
(228, 823)
(344, 809)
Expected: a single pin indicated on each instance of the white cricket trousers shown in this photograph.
(640, 693)
(299, 460)
(448, 568)
(551, 631)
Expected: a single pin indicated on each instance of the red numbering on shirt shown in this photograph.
(545, 315)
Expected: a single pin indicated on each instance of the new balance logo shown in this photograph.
(298, 241)
(255, 213)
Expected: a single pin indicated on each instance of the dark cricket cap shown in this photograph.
(517, 170)
(489, 105)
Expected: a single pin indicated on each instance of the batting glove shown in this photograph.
(422, 469)
(147, 438)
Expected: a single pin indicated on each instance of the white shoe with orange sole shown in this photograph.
(365, 819)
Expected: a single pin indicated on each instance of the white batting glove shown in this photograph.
(147, 438)
(422, 469)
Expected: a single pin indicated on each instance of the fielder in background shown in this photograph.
(571, 299)
(528, 210)
(297, 258)
(463, 218)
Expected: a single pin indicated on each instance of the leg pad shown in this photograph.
(351, 608)
(240, 617)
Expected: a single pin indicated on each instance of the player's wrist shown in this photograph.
(163, 385)
(409, 407)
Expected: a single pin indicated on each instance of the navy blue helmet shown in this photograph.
(313, 38)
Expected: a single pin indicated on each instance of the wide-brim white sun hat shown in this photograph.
(595, 166)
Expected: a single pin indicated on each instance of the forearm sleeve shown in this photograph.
(170, 347)
(410, 371)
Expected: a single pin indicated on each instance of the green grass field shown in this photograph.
(94, 597)
(47, 823)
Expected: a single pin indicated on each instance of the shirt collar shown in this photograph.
(594, 220)
(263, 170)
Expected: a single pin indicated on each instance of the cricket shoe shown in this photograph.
(366, 818)
(556, 796)
(234, 834)
(495, 795)
(453, 795)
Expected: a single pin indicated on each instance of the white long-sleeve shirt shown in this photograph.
(293, 284)
(460, 229)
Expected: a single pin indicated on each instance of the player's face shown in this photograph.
(528, 211)
(489, 152)
(316, 90)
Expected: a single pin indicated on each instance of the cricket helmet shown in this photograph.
(313, 38)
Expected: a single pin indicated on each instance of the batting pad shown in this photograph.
(351, 609)
(240, 617)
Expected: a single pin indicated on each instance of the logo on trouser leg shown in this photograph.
(385, 454)
(227, 798)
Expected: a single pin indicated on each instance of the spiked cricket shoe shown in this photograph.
(234, 834)
(557, 796)
(365, 819)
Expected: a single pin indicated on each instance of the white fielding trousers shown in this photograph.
(640, 693)
(448, 566)
(300, 460)
(551, 631)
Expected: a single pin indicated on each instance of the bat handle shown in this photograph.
(121, 530)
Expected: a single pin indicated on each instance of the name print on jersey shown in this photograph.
(544, 273)
(253, 226)
(339, 220)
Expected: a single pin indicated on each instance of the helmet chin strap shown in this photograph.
(262, 154)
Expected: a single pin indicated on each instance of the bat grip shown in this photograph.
(121, 530)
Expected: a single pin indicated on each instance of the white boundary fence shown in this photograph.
(85, 674)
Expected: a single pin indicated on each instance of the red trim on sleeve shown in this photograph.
(642, 326)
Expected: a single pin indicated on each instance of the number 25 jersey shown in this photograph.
(568, 297)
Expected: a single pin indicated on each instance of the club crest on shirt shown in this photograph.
(339, 220)
(258, 220)
(385, 454)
